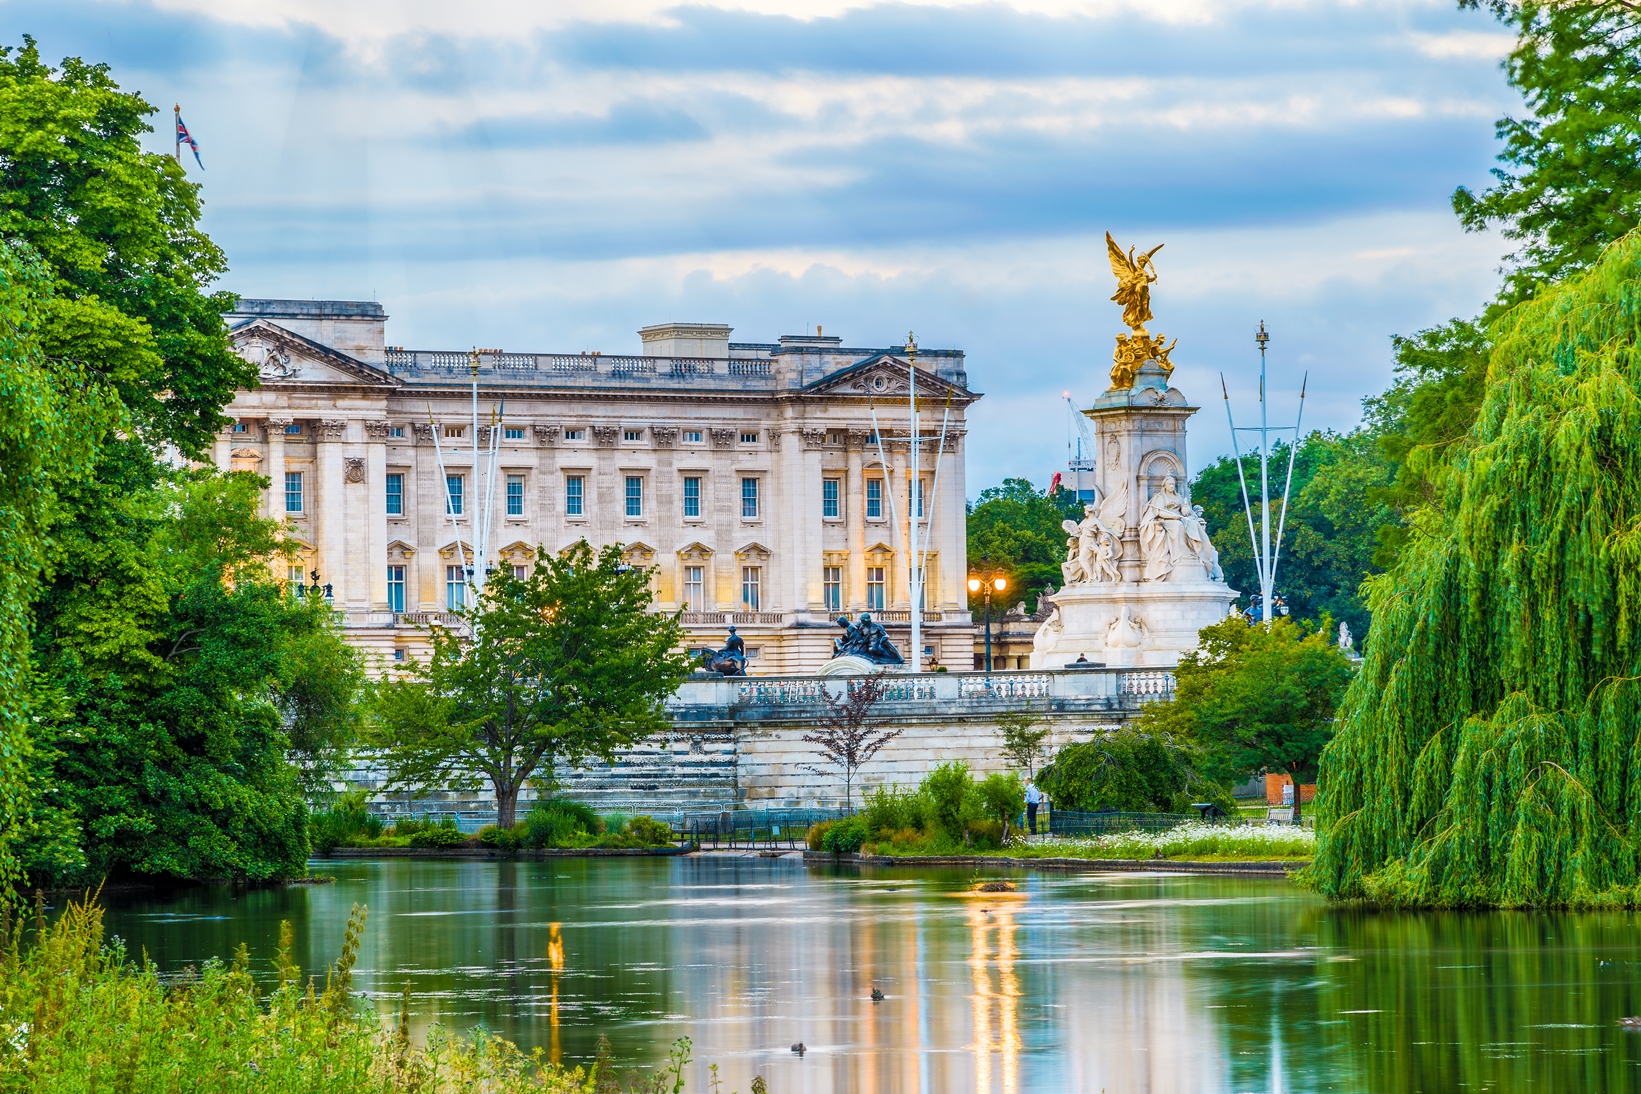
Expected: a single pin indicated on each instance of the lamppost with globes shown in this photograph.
(986, 580)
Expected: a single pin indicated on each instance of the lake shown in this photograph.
(1078, 982)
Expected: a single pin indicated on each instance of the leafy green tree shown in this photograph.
(1024, 735)
(1131, 770)
(1255, 699)
(1485, 755)
(1001, 797)
(1017, 529)
(1333, 523)
(562, 666)
(1571, 177)
(166, 714)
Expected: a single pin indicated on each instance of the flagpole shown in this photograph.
(176, 130)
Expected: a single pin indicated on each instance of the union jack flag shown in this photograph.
(184, 137)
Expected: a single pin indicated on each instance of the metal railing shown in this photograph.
(1072, 822)
(752, 829)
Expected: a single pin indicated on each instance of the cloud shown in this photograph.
(553, 176)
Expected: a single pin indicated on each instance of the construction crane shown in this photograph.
(1081, 459)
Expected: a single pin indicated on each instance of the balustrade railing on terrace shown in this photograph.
(1121, 686)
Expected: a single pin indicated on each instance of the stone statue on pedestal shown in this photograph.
(1095, 542)
(1173, 539)
(731, 660)
(866, 639)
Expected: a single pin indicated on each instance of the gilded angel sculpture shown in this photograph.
(1134, 278)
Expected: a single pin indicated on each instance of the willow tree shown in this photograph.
(1489, 752)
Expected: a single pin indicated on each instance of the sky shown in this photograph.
(553, 176)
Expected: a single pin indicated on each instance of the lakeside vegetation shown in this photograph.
(80, 1014)
(554, 823)
(1189, 842)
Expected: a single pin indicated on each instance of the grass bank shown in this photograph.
(78, 1014)
(1211, 843)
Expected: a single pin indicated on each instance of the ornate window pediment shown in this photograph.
(400, 551)
(753, 552)
(638, 554)
(518, 554)
(695, 552)
(448, 552)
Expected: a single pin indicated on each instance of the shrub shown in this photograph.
(816, 838)
(950, 790)
(891, 809)
(560, 822)
(639, 832)
(844, 836)
(507, 839)
(443, 834)
(1131, 770)
(343, 823)
(985, 835)
(1002, 798)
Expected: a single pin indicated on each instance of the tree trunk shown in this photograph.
(1297, 788)
(507, 802)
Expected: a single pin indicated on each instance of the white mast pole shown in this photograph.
(913, 498)
(1267, 581)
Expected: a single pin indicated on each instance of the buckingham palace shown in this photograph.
(749, 478)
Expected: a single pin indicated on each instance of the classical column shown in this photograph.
(375, 486)
(222, 451)
(431, 524)
(855, 500)
(329, 515)
(276, 465)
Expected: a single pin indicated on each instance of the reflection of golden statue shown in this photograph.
(1134, 278)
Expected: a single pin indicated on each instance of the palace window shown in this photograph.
(453, 491)
(749, 499)
(914, 498)
(515, 495)
(521, 572)
(695, 588)
(632, 434)
(749, 438)
(635, 495)
(293, 578)
(575, 434)
(692, 496)
(874, 499)
(752, 578)
(832, 587)
(395, 494)
(396, 431)
(239, 427)
(574, 495)
(294, 429)
(293, 491)
(829, 498)
(875, 588)
(512, 433)
(455, 588)
(455, 431)
(396, 588)
(692, 436)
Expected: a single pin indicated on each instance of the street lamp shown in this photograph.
(986, 580)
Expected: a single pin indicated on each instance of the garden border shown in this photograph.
(1265, 869)
(496, 854)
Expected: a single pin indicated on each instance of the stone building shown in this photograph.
(747, 476)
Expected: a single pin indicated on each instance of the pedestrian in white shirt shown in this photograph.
(1034, 798)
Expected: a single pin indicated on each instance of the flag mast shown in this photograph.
(176, 130)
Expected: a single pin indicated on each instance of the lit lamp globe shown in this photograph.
(1000, 583)
(974, 584)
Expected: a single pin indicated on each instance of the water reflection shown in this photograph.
(1079, 983)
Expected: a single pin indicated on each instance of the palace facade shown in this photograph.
(747, 477)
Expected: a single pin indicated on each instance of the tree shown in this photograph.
(1131, 770)
(164, 716)
(564, 665)
(1255, 699)
(1003, 797)
(1014, 527)
(1024, 735)
(1333, 525)
(1571, 180)
(1485, 753)
(851, 731)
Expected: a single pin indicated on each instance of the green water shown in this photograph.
(1118, 982)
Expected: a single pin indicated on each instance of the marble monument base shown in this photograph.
(851, 665)
(1144, 624)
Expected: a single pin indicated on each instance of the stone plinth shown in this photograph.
(850, 665)
(1161, 622)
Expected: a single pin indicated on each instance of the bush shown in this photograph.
(1002, 798)
(844, 836)
(891, 809)
(506, 839)
(950, 790)
(443, 834)
(560, 822)
(639, 832)
(1131, 770)
(816, 837)
(344, 823)
(985, 835)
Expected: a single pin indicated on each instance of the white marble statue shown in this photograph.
(1125, 631)
(1094, 544)
(1173, 538)
(1345, 639)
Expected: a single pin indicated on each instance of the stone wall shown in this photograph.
(739, 743)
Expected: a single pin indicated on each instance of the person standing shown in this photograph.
(1034, 798)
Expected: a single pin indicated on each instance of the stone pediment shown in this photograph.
(884, 377)
(284, 358)
(695, 552)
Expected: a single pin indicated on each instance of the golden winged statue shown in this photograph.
(1134, 278)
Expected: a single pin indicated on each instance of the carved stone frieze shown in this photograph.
(858, 438)
(665, 435)
(813, 438)
(331, 429)
(377, 431)
(546, 435)
(245, 454)
(279, 425)
(606, 435)
(723, 437)
(423, 431)
(353, 468)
